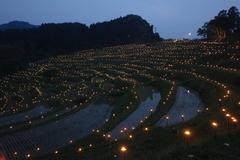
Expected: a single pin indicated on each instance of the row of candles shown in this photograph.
(83, 56)
(183, 116)
(187, 133)
(229, 118)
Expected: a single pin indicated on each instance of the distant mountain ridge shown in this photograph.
(17, 24)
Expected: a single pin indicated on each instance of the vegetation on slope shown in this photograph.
(18, 47)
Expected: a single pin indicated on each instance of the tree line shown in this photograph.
(225, 24)
(18, 47)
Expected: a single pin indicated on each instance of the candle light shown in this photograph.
(214, 124)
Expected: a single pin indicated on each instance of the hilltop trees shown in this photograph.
(65, 37)
(224, 24)
(70, 37)
(123, 30)
(19, 46)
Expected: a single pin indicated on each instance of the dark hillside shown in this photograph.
(60, 38)
(233, 37)
(17, 24)
(126, 30)
(21, 46)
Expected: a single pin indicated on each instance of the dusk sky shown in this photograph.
(172, 18)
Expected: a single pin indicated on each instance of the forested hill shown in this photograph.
(126, 30)
(17, 24)
(18, 47)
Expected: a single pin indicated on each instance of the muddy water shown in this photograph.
(187, 103)
(150, 98)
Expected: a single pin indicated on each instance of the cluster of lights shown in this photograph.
(81, 65)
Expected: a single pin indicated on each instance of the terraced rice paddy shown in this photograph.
(51, 136)
(187, 106)
(137, 117)
(115, 91)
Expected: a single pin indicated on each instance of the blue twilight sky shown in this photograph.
(172, 18)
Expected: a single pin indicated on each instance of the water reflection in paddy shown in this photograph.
(150, 98)
(59, 133)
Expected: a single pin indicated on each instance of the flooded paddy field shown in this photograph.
(150, 98)
(60, 101)
(54, 135)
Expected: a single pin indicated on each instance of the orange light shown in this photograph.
(123, 149)
(228, 115)
(214, 124)
(187, 133)
(228, 91)
(79, 149)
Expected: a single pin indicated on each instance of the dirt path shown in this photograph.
(139, 114)
(187, 103)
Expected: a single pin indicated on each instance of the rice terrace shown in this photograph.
(163, 100)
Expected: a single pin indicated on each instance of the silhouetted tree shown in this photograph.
(233, 15)
(224, 24)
